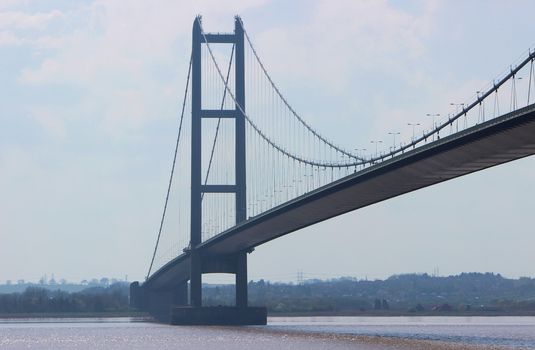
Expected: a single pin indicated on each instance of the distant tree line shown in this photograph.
(91, 300)
(410, 292)
(62, 284)
(413, 293)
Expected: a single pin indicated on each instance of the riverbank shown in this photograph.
(404, 313)
(114, 314)
(275, 315)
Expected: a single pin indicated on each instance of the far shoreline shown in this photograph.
(393, 313)
(81, 315)
(401, 313)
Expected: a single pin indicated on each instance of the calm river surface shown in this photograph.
(366, 333)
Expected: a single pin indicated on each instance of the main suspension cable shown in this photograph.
(257, 129)
(172, 167)
(381, 157)
(285, 101)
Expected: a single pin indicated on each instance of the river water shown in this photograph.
(306, 333)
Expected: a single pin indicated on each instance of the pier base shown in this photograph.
(218, 315)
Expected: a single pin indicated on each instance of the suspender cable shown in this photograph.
(301, 120)
(375, 159)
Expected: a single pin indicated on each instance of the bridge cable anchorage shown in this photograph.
(262, 134)
(218, 121)
(285, 101)
(172, 167)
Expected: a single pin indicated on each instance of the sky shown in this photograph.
(90, 95)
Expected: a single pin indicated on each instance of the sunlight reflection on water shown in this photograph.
(516, 332)
(281, 333)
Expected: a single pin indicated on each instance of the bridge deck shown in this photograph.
(494, 142)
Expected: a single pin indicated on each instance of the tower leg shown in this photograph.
(195, 280)
(196, 143)
(241, 280)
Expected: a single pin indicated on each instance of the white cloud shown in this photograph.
(51, 122)
(347, 36)
(14, 20)
(11, 4)
(124, 55)
(7, 38)
(15, 25)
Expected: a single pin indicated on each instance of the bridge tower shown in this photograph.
(236, 264)
(197, 188)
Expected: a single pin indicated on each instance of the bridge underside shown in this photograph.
(495, 142)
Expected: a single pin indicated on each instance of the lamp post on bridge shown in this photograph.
(393, 133)
(357, 151)
(376, 142)
(481, 116)
(433, 115)
(414, 125)
(514, 91)
(457, 105)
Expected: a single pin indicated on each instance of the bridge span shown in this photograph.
(492, 143)
(222, 247)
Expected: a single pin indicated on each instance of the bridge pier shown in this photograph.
(172, 306)
(218, 316)
(158, 303)
(241, 314)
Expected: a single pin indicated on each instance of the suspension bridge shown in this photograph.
(248, 169)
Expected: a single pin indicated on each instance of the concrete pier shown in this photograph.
(218, 316)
